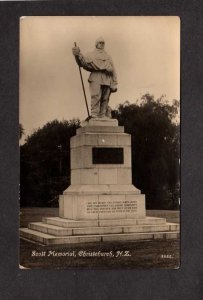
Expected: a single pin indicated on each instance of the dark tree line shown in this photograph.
(45, 156)
(45, 163)
(155, 149)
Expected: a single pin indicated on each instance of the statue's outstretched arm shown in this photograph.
(88, 66)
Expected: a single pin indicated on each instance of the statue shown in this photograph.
(102, 80)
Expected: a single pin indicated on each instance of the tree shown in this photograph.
(45, 163)
(21, 131)
(155, 148)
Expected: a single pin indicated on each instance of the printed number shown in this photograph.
(166, 256)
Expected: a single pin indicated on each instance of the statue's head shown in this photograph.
(100, 43)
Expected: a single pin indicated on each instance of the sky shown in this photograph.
(145, 51)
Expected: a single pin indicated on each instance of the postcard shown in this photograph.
(99, 142)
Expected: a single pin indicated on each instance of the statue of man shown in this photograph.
(102, 79)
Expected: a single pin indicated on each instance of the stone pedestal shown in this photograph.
(101, 180)
(101, 204)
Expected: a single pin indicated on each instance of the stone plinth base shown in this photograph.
(96, 122)
(103, 203)
(101, 180)
(63, 231)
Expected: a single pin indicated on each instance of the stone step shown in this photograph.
(50, 229)
(67, 223)
(48, 239)
(140, 236)
(61, 231)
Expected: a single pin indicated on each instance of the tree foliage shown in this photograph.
(21, 131)
(155, 148)
(45, 163)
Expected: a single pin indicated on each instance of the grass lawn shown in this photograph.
(138, 254)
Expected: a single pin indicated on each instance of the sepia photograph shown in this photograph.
(99, 138)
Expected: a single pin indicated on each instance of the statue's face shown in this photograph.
(101, 45)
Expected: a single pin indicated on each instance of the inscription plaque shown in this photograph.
(112, 207)
(107, 155)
